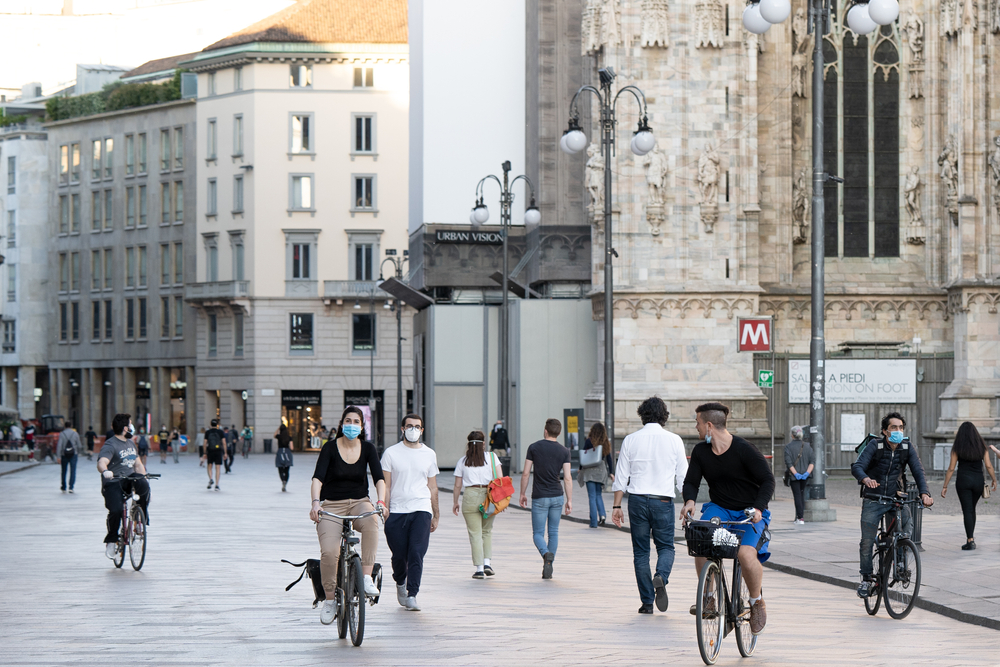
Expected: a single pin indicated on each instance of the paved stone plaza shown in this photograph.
(212, 591)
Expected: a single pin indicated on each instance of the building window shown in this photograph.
(238, 334)
(236, 243)
(129, 268)
(63, 164)
(300, 260)
(96, 210)
(142, 266)
(237, 78)
(142, 318)
(108, 321)
(237, 194)
(211, 83)
(363, 253)
(74, 164)
(108, 268)
(74, 272)
(129, 208)
(9, 335)
(165, 150)
(109, 151)
(178, 316)
(364, 193)
(108, 211)
(63, 272)
(129, 154)
(165, 264)
(363, 261)
(95, 320)
(142, 153)
(364, 77)
(212, 197)
(164, 317)
(11, 282)
(95, 159)
(301, 192)
(364, 134)
(178, 148)
(63, 214)
(211, 258)
(301, 333)
(301, 135)
(212, 139)
(11, 229)
(164, 203)
(75, 320)
(75, 213)
(213, 334)
(300, 75)
(178, 263)
(363, 332)
(63, 322)
(11, 175)
(178, 201)
(237, 135)
(129, 319)
(95, 269)
(142, 206)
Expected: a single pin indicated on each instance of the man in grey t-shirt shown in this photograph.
(119, 458)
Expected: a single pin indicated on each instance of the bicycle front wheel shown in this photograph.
(137, 539)
(746, 640)
(902, 579)
(119, 558)
(355, 595)
(874, 599)
(710, 612)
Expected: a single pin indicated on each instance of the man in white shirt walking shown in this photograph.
(411, 494)
(651, 467)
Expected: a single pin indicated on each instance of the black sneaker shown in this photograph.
(209, 485)
(488, 571)
(865, 589)
(968, 546)
(646, 609)
(661, 593)
(547, 565)
(478, 574)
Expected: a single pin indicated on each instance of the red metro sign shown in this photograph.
(754, 335)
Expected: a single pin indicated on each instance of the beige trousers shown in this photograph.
(330, 531)
(480, 529)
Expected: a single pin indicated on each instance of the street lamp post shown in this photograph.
(574, 141)
(397, 264)
(479, 215)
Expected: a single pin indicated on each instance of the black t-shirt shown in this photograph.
(547, 459)
(737, 479)
(214, 439)
(90, 436)
(342, 480)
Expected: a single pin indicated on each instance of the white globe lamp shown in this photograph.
(575, 141)
(532, 216)
(775, 11)
(480, 214)
(642, 142)
(753, 21)
(883, 12)
(859, 21)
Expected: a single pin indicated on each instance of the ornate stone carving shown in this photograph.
(611, 23)
(895, 306)
(948, 161)
(655, 29)
(994, 19)
(913, 30)
(708, 186)
(601, 27)
(995, 172)
(949, 21)
(800, 207)
(915, 233)
(590, 30)
(800, 54)
(595, 182)
(915, 137)
(679, 307)
(710, 24)
(655, 166)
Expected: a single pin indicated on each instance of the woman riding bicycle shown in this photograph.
(340, 486)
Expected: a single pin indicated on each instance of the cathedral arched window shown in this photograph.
(861, 140)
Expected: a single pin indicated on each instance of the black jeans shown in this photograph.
(283, 473)
(114, 499)
(230, 455)
(798, 487)
(408, 536)
(969, 486)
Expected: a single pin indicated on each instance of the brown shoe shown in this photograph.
(758, 617)
(709, 607)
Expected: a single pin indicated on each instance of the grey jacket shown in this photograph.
(792, 451)
(72, 437)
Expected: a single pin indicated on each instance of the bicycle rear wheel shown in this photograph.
(119, 558)
(355, 595)
(902, 579)
(746, 640)
(874, 599)
(709, 612)
(137, 539)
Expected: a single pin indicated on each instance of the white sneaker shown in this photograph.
(401, 595)
(800, 522)
(110, 549)
(329, 612)
(370, 588)
(411, 604)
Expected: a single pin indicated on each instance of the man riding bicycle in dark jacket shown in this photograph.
(880, 469)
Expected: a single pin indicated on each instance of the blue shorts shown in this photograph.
(754, 535)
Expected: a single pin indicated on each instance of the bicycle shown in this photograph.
(133, 531)
(895, 564)
(351, 594)
(711, 540)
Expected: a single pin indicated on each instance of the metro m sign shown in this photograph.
(754, 334)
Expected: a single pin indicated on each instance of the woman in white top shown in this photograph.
(473, 473)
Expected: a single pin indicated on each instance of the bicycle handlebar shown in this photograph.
(135, 475)
(323, 513)
(749, 512)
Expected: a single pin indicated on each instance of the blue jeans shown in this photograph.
(71, 464)
(871, 512)
(594, 490)
(651, 517)
(543, 509)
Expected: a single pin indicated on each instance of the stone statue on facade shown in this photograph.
(800, 54)
(655, 24)
(611, 23)
(708, 186)
(800, 207)
(915, 234)
(710, 24)
(995, 172)
(655, 166)
(949, 21)
(994, 20)
(948, 161)
(595, 182)
(590, 30)
(913, 30)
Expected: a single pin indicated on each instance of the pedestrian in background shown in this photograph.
(799, 461)
(283, 458)
(143, 446)
(175, 445)
(499, 441)
(970, 454)
(200, 442)
(247, 436)
(651, 467)
(90, 436)
(473, 474)
(595, 477)
(163, 438)
(215, 451)
(231, 437)
(68, 449)
(548, 458)
(16, 433)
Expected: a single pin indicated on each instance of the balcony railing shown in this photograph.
(352, 289)
(218, 290)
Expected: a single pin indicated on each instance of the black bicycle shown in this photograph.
(133, 532)
(895, 563)
(711, 540)
(351, 594)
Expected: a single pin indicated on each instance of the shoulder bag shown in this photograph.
(986, 490)
(787, 479)
(590, 458)
(498, 492)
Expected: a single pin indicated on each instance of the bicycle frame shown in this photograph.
(349, 540)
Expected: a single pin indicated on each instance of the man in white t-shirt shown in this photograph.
(411, 493)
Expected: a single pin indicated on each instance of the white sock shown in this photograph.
(486, 562)
(753, 601)
(479, 568)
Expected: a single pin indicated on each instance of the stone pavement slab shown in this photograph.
(8, 467)
(212, 592)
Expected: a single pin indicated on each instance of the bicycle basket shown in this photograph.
(709, 540)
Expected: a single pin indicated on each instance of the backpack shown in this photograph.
(68, 449)
(213, 439)
(310, 568)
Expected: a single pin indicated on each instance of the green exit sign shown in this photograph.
(765, 379)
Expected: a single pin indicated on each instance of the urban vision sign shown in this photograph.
(474, 238)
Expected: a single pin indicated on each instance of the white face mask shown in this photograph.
(412, 434)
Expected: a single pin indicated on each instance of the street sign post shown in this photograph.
(753, 334)
(765, 379)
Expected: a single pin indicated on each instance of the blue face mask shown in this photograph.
(351, 431)
(896, 436)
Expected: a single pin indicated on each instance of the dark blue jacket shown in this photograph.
(885, 466)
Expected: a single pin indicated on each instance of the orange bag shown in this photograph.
(499, 492)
